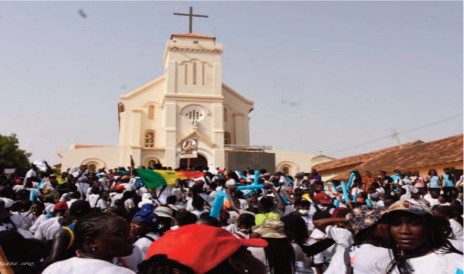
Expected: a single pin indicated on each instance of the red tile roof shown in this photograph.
(359, 159)
(433, 153)
(193, 35)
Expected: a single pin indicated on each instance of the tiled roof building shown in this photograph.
(412, 156)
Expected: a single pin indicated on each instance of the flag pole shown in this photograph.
(188, 163)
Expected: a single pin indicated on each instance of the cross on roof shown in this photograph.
(191, 15)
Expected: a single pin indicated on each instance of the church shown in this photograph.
(188, 101)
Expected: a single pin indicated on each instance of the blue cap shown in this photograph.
(148, 207)
(148, 217)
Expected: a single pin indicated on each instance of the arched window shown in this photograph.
(227, 140)
(92, 168)
(151, 112)
(286, 169)
(150, 139)
(225, 114)
(152, 163)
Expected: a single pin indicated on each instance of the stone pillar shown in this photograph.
(170, 118)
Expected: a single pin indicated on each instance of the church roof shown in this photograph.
(193, 35)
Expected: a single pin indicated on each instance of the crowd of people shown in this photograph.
(107, 221)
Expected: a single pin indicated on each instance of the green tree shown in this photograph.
(11, 156)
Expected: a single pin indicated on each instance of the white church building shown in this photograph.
(188, 101)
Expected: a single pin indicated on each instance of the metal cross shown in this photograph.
(191, 15)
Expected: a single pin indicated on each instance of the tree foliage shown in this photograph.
(11, 156)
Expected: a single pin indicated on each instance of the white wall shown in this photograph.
(299, 162)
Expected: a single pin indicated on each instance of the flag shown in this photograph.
(156, 178)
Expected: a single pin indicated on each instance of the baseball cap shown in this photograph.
(79, 208)
(146, 216)
(411, 206)
(323, 198)
(119, 188)
(200, 247)
(61, 206)
(148, 207)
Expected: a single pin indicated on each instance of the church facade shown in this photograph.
(188, 101)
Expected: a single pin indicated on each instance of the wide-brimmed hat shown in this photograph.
(164, 211)
(271, 228)
(363, 217)
(411, 206)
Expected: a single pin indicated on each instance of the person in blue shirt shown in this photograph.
(448, 181)
(434, 181)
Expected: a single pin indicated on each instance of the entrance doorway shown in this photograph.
(199, 161)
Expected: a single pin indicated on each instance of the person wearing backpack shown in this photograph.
(144, 228)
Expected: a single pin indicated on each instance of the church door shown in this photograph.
(199, 161)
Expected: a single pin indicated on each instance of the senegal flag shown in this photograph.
(157, 178)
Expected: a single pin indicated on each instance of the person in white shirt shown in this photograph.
(295, 229)
(82, 185)
(93, 196)
(365, 256)
(18, 186)
(31, 173)
(419, 238)
(198, 206)
(48, 228)
(377, 202)
(111, 238)
(355, 191)
(448, 213)
(119, 189)
(75, 196)
(432, 197)
(39, 216)
(142, 227)
(15, 218)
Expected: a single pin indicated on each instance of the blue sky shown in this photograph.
(324, 76)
